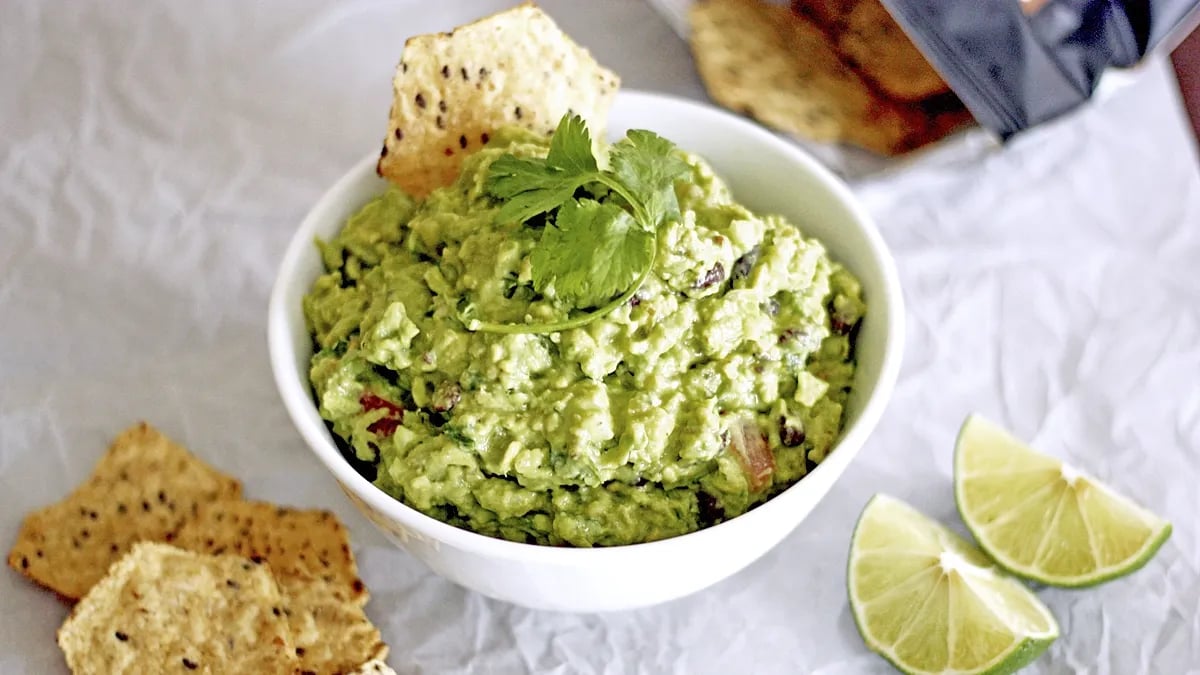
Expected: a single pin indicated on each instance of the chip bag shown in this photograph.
(1017, 63)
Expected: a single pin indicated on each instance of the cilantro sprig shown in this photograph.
(595, 252)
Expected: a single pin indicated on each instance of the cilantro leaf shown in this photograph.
(594, 252)
(646, 164)
(532, 185)
(591, 253)
(571, 146)
(529, 186)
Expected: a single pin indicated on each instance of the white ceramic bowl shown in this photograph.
(767, 174)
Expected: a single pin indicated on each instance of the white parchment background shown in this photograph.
(155, 158)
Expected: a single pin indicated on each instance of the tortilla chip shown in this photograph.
(945, 114)
(161, 609)
(298, 543)
(309, 552)
(766, 62)
(330, 634)
(453, 90)
(376, 667)
(141, 490)
(869, 40)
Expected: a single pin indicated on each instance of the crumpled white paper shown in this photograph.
(156, 157)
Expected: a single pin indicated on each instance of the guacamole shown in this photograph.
(718, 384)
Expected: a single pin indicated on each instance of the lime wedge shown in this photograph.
(929, 602)
(1043, 520)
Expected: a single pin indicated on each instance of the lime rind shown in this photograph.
(1026, 647)
(1160, 529)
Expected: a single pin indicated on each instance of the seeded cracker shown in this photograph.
(453, 90)
(762, 60)
(161, 609)
(309, 553)
(141, 490)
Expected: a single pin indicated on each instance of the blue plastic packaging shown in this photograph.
(1014, 66)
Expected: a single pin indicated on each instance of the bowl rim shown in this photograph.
(297, 399)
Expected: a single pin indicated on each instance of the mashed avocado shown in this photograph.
(718, 384)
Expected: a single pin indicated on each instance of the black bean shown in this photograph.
(791, 434)
(743, 265)
(713, 276)
(711, 512)
(790, 334)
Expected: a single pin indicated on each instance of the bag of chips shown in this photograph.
(1016, 63)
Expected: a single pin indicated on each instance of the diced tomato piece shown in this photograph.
(370, 401)
(385, 426)
(749, 445)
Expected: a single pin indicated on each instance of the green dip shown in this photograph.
(718, 385)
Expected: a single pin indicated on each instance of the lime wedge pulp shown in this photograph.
(1043, 520)
(929, 602)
